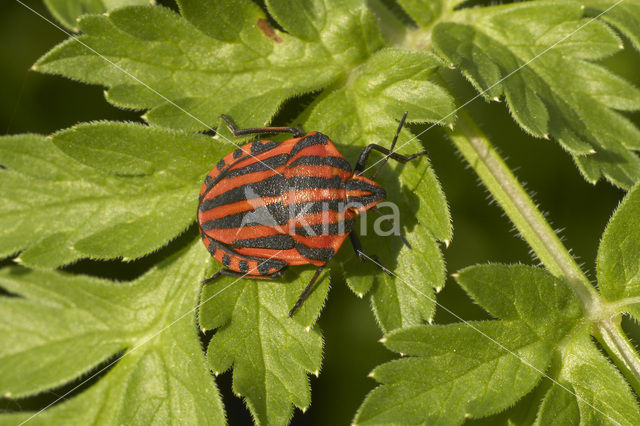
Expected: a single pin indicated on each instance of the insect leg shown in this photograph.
(387, 152)
(306, 291)
(357, 246)
(295, 131)
(355, 242)
(398, 157)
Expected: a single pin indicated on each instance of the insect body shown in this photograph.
(267, 205)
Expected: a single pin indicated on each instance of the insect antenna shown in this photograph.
(393, 144)
(393, 223)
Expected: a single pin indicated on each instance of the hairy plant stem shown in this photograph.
(611, 336)
(520, 208)
(517, 204)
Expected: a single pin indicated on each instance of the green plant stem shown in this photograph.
(517, 204)
(611, 336)
(520, 208)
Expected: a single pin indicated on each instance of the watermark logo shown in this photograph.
(317, 218)
(260, 215)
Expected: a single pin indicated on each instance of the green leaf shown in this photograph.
(600, 393)
(537, 55)
(625, 16)
(303, 18)
(228, 20)
(523, 413)
(454, 372)
(408, 299)
(426, 12)
(247, 71)
(476, 369)
(618, 261)
(559, 407)
(58, 311)
(519, 292)
(99, 190)
(270, 352)
(546, 304)
(367, 111)
(68, 11)
(64, 325)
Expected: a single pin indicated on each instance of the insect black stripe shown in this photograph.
(265, 266)
(307, 141)
(359, 202)
(212, 246)
(227, 248)
(335, 228)
(316, 160)
(260, 166)
(258, 147)
(317, 207)
(323, 254)
(269, 187)
(264, 215)
(275, 242)
(306, 182)
(272, 187)
(221, 175)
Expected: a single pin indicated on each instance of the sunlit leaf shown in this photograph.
(270, 352)
(68, 11)
(619, 254)
(538, 56)
(475, 369)
(66, 325)
(100, 190)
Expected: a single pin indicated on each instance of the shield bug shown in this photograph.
(268, 205)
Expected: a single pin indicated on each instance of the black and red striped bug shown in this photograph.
(268, 205)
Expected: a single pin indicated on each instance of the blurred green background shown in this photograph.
(43, 104)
